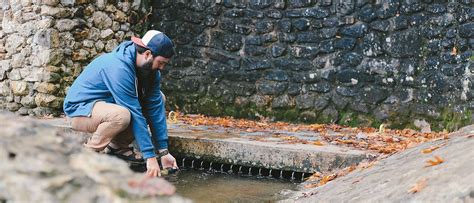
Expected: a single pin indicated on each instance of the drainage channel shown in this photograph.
(206, 165)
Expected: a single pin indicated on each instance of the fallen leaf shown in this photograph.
(454, 51)
(438, 160)
(429, 150)
(326, 179)
(317, 143)
(418, 186)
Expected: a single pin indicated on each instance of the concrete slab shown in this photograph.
(270, 149)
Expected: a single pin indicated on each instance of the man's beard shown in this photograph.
(144, 74)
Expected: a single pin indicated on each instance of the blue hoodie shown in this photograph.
(112, 78)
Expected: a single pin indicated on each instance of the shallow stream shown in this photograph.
(203, 186)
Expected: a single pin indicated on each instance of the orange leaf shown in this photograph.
(438, 160)
(418, 186)
(431, 149)
(454, 51)
(326, 179)
(318, 143)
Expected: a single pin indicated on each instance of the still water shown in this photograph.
(218, 187)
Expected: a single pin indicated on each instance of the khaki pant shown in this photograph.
(108, 123)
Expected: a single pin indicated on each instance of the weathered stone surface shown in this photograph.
(101, 20)
(47, 100)
(19, 88)
(66, 24)
(450, 180)
(271, 87)
(403, 44)
(305, 101)
(282, 101)
(66, 171)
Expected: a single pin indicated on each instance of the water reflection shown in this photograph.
(221, 187)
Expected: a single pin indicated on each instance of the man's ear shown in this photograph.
(148, 54)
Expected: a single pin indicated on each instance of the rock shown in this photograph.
(231, 42)
(50, 2)
(28, 101)
(55, 11)
(48, 88)
(320, 87)
(278, 50)
(367, 13)
(404, 44)
(320, 103)
(356, 30)
(344, 43)
(272, 87)
(308, 116)
(111, 44)
(47, 38)
(19, 88)
(467, 30)
(66, 171)
(282, 101)
(330, 114)
(406, 170)
(101, 20)
(47, 100)
(66, 24)
(277, 75)
(346, 91)
(424, 126)
(13, 43)
(107, 34)
(305, 101)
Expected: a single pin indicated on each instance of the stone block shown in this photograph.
(271, 87)
(66, 24)
(282, 101)
(19, 88)
(403, 44)
(305, 101)
(356, 30)
(320, 87)
(277, 75)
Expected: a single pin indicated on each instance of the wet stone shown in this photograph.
(305, 101)
(346, 91)
(316, 12)
(276, 75)
(275, 14)
(278, 50)
(263, 27)
(467, 30)
(380, 25)
(436, 8)
(271, 87)
(301, 24)
(404, 44)
(344, 43)
(320, 103)
(356, 30)
(387, 9)
(231, 42)
(282, 101)
(352, 58)
(367, 14)
(320, 87)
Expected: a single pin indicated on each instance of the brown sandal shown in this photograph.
(120, 153)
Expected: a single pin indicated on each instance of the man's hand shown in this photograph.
(168, 161)
(152, 167)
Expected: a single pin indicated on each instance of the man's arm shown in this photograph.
(155, 113)
(121, 83)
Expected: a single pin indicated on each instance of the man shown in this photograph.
(118, 95)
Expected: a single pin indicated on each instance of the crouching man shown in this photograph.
(118, 96)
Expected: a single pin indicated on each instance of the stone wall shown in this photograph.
(45, 44)
(356, 62)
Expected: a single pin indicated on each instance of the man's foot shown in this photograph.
(126, 154)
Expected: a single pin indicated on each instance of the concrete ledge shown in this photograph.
(232, 148)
